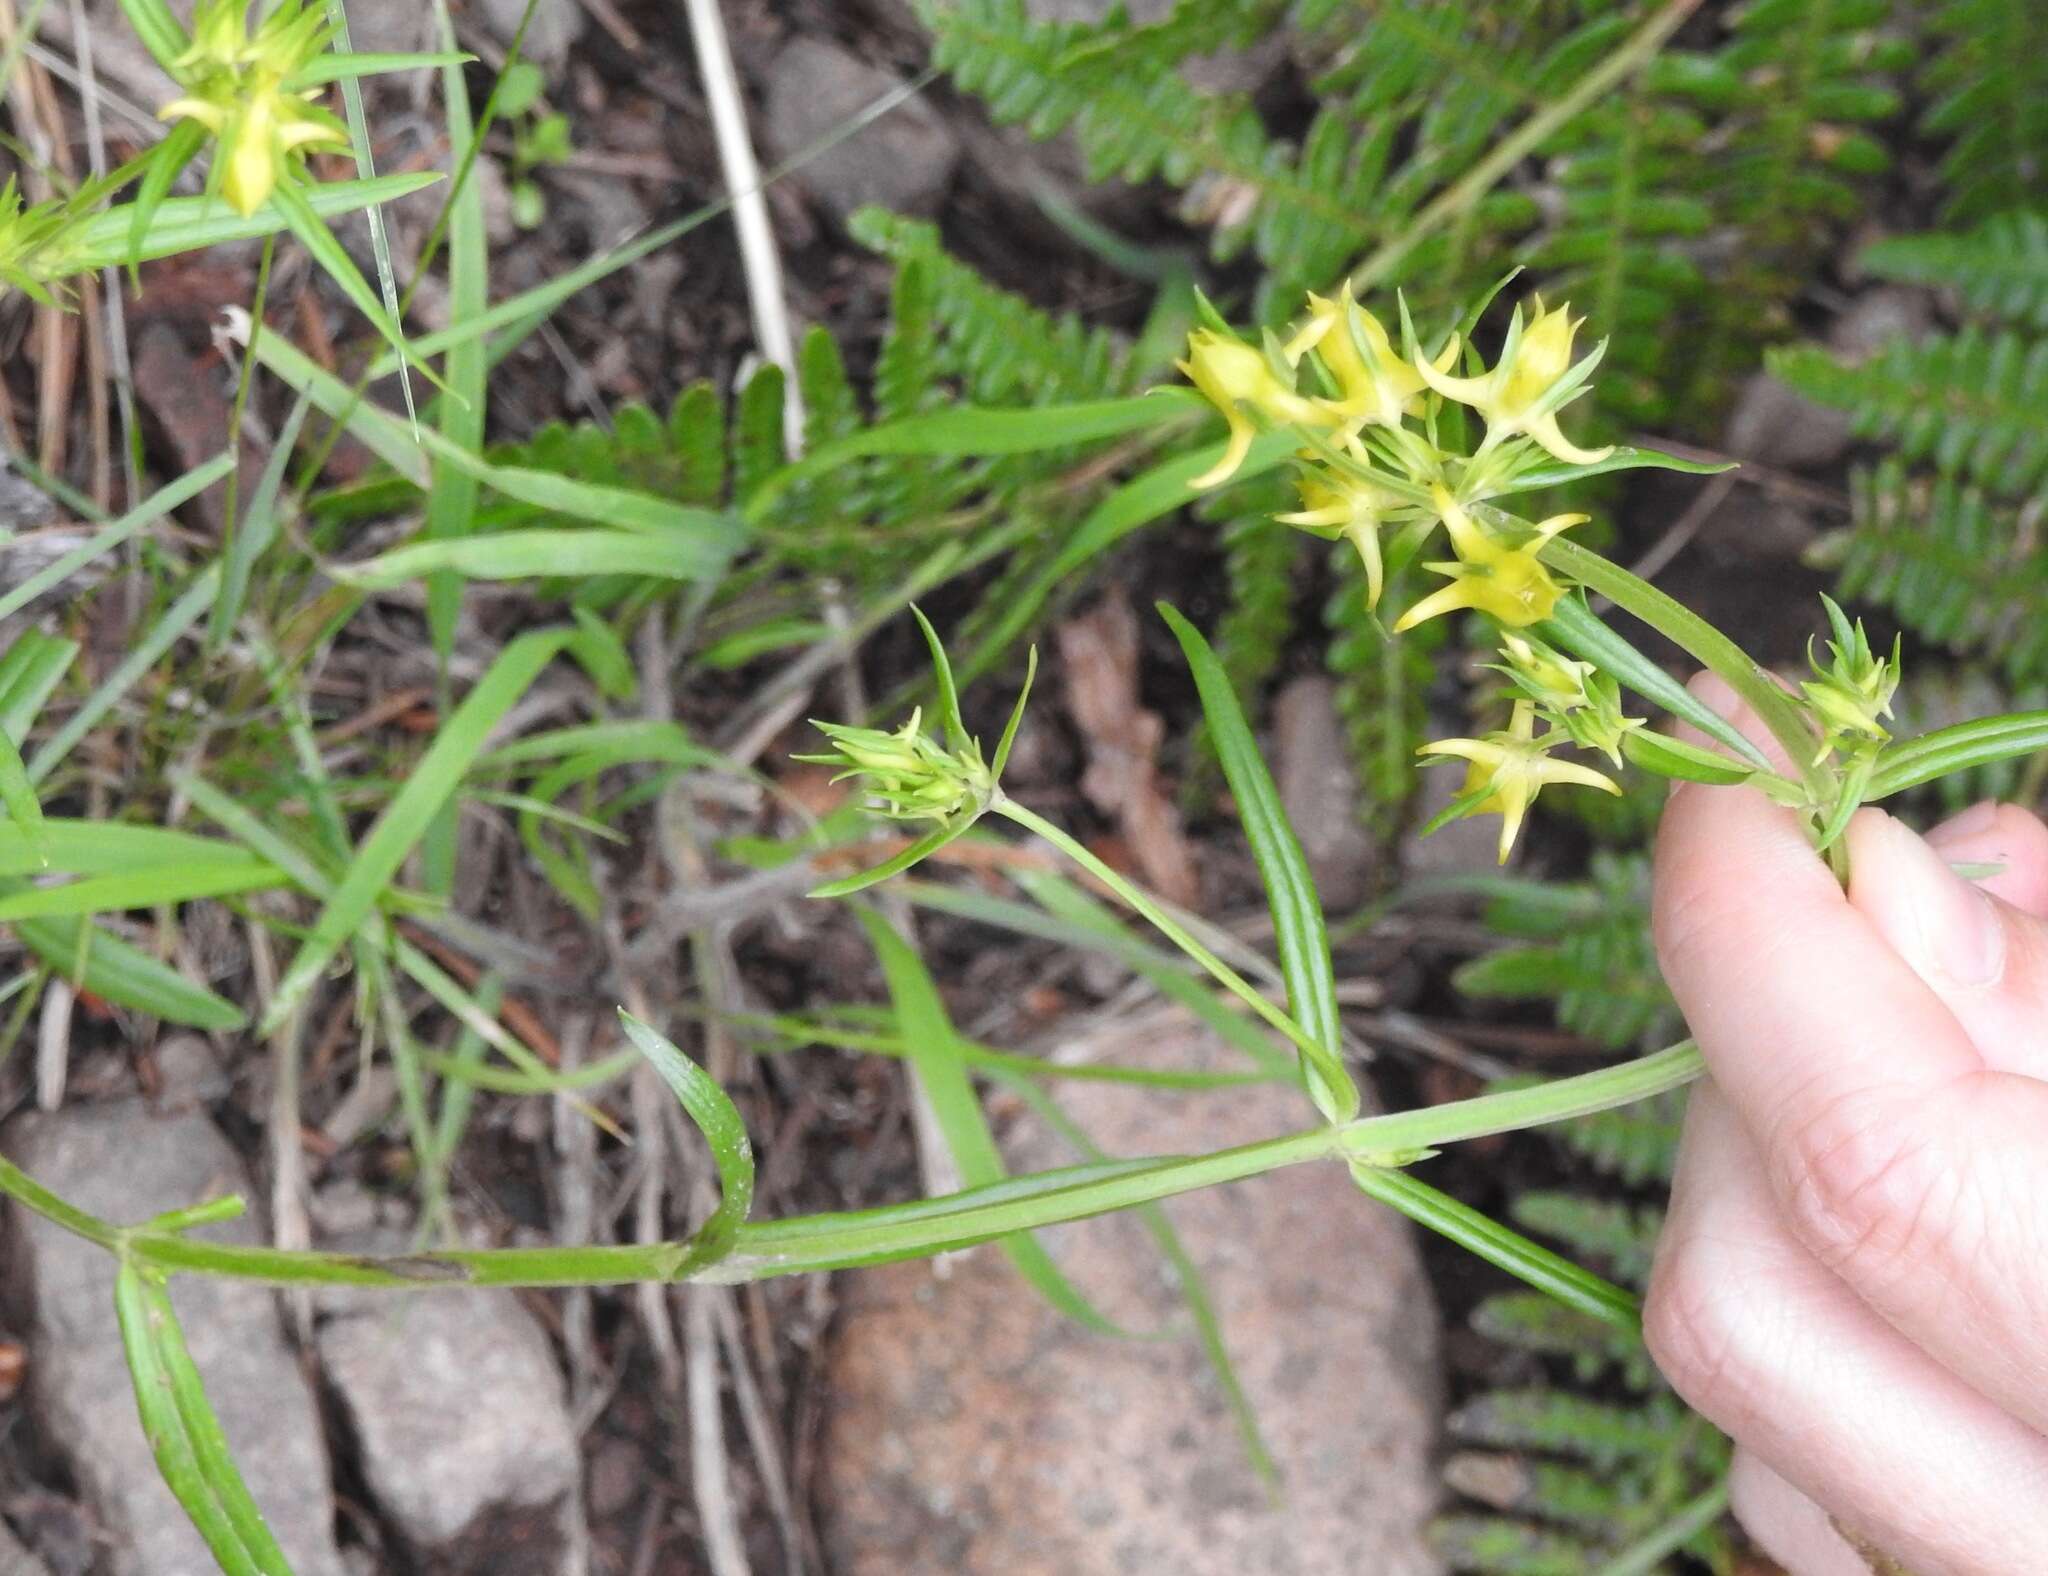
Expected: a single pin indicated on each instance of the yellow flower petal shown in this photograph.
(1551, 439)
(211, 116)
(1233, 452)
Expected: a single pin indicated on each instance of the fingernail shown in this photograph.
(1957, 837)
(1955, 933)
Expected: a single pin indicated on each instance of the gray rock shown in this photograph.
(1319, 789)
(903, 161)
(556, 26)
(1878, 317)
(457, 1404)
(123, 1163)
(973, 1430)
(23, 505)
(1773, 424)
(16, 1560)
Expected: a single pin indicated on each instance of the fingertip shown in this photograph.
(2007, 838)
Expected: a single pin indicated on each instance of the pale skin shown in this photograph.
(1854, 1279)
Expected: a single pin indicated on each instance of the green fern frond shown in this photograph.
(696, 436)
(1607, 1231)
(1970, 402)
(1493, 1546)
(1554, 1423)
(1533, 1322)
(1637, 1143)
(1955, 565)
(999, 348)
(1999, 270)
(1988, 82)
(1596, 963)
(1817, 72)
(1260, 560)
(1119, 88)
(757, 434)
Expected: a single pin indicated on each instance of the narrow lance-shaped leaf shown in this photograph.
(185, 224)
(1298, 929)
(304, 221)
(718, 1119)
(183, 1432)
(1500, 1245)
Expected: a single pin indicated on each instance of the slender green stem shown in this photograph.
(897, 1231)
(1741, 672)
(1162, 921)
(1465, 192)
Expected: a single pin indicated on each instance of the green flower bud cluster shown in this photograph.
(907, 775)
(1853, 694)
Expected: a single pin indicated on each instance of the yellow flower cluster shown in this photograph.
(1366, 413)
(1340, 382)
(236, 86)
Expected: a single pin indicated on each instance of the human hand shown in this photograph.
(1853, 1282)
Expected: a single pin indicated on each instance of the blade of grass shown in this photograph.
(96, 960)
(1138, 502)
(305, 223)
(534, 555)
(256, 531)
(29, 674)
(965, 430)
(929, 1036)
(109, 848)
(366, 169)
(337, 65)
(19, 795)
(431, 782)
(452, 498)
(202, 1428)
(796, 1031)
(165, 885)
(163, 1424)
(1163, 971)
(145, 514)
(690, 530)
(179, 617)
(187, 224)
(1501, 1246)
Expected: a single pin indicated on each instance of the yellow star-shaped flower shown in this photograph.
(1378, 387)
(1506, 583)
(1234, 376)
(1513, 397)
(234, 87)
(1335, 504)
(1506, 770)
